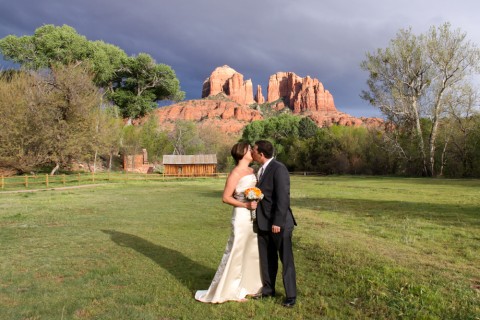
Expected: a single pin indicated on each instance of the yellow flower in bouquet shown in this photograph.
(253, 194)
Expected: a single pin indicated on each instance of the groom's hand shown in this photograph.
(275, 229)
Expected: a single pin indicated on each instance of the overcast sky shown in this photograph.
(326, 39)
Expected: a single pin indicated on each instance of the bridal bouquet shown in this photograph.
(253, 194)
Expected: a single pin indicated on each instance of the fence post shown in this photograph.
(46, 180)
(26, 181)
(63, 179)
(93, 177)
(78, 178)
(3, 182)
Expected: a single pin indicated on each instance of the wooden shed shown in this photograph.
(190, 165)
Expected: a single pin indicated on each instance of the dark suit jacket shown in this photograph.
(274, 209)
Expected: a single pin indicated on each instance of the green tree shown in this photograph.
(219, 143)
(108, 133)
(141, 82)
(51, 45)
(134, 83)
(279, 130)
(316, 153)
(50, 120)
(411, 79)
(459, 135)
(185, 138)
(350, 146)
(155, 140)
(22, 124)
(254, 131)
(274, 128)
(282, 127)
(72, 101)
(307, 128)
(130, 143)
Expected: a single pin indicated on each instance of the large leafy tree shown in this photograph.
(134, 83)
(21, 123)
(185, 138)
(141, 82)
(48, 119)
(154, 139)
(51, 45)
(460, 135)
(413, 78)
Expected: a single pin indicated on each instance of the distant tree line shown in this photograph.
(72, 101)
(424, 87)
(302, 146)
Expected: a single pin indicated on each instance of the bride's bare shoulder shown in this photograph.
(235, 172)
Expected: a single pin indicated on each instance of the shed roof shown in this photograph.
(190, 159)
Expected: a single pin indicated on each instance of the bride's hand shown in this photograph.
(252, 205)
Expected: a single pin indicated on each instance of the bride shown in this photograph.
(238, 274)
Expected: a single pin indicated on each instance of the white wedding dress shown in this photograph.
(238, 274)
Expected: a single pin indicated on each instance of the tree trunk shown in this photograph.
(432, 141)
(110, 162)
(95, 161)
(57, 165)
(444, 160)
(421, 144)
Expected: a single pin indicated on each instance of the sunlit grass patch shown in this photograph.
(380, 248)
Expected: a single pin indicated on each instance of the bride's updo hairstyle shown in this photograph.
(239, 150)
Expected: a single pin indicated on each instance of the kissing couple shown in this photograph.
(250, 263)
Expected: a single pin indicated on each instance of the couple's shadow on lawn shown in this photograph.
(190, 273)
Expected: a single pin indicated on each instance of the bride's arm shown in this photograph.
(229, 190)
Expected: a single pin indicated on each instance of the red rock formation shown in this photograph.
(372, 122)
(300, 94)
(259, 98)
(283, 85)
(217, 81)
(327, 119)
(230, 96)
(229, 116)
(225, 79)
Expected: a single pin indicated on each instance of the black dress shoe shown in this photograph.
(289, 302)
(260, 296)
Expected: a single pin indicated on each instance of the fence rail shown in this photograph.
(46, 181)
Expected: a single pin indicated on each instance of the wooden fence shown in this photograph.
(57, 181)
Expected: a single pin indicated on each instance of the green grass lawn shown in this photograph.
(365, 248)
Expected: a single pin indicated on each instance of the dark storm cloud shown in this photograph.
(326, 40)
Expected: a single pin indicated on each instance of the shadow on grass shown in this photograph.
(445, 214)
(191, 274)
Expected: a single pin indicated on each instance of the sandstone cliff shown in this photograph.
(230, 82)
(300, 94)
(227, 115)
(227, 101)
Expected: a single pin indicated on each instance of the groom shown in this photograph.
(275, 223)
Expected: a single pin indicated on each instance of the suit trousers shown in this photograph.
(271, 246)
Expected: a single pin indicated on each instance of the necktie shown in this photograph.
(260, 173)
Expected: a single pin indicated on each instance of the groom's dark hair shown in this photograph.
(265, 147)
